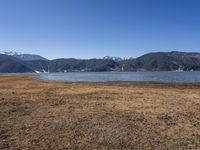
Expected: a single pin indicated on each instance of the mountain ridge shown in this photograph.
(13, 62)
(23, 56)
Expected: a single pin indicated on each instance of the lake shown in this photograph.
(170, 77)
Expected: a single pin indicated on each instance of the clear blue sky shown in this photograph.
(97, 28)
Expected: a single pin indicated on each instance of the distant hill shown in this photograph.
(164, 61)
(12, 62)
(69, 65)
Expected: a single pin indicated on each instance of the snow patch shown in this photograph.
(37, 71)
(10, 53)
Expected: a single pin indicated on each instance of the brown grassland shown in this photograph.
(117, 115)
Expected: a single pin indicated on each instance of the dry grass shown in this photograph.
(44, 115)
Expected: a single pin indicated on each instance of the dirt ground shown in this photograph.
(123, 115)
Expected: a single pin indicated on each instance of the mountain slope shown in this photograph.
(37, 65)
(164, 61)
(68, 65)
(9, 64)
(28, 57)
(18, 62)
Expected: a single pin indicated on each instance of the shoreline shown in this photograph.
(128, 83)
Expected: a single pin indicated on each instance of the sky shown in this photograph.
(97, 28)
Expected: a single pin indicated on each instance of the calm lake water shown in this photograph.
(171, 77)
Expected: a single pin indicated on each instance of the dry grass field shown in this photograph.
(47, 115)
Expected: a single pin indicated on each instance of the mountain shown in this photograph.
(164, 61)
(37, 65)
(12, 62)
(9, 64)
(117, 59)
(25, 57)
(70, 65)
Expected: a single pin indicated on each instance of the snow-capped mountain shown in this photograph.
(14, 62)
(21, 56)
(118, 59)
(10, 53)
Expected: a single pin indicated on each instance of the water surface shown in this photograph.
(170, 77)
